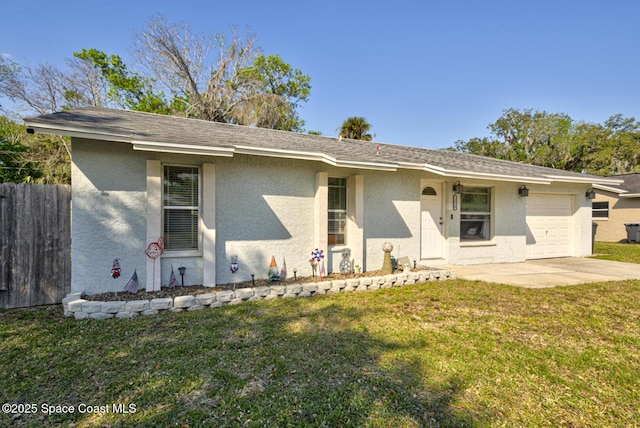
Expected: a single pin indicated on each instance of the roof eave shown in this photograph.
(484, 176)
(74, 132)
(190, 149)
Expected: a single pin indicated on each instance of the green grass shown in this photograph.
(454, 353)
(620, 252)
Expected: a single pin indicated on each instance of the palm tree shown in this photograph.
(356, 128)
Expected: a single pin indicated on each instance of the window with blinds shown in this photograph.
(181, 206)
(475, 219)
(600, 210)
(337, 210)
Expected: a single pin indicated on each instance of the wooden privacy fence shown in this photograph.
(35, 222)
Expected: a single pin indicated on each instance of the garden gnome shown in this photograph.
(274, 274)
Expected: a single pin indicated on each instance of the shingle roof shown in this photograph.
(177, 134)
(628, 187)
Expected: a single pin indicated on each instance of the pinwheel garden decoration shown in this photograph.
(317, 255)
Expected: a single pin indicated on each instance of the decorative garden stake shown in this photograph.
(153, 251)
(274, 275)
(253, 279)
(132, 285)
(387, 267)
(317, 255)
(182, 270)
(115, 269)
(233, 266)
(295, 275)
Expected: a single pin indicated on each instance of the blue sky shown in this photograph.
(423, 73)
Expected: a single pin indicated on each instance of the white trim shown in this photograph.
(314, 156)
(586, 180)
(154, 221)
(80, 133)
(608, 189)
(483, 175)
(208, 224)
(621, 193)
(182, 148)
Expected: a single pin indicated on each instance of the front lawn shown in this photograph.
(451, 353)
(620, 252)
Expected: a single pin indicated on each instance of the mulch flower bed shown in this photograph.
(199, 289)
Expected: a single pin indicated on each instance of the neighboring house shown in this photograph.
(217, 191)
(615, 206)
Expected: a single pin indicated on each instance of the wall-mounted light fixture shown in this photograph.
(590, 194)
(523, 191)
(458, 188)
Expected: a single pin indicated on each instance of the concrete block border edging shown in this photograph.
(77, 307)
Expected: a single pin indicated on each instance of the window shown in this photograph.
(181, 201)
(475, 217)
(600, 209)
(337, 210)
(429, 191)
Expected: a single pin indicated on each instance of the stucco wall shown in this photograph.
(621, 211)
(268, 207)
(507, 225)
(109, 215)
(264, 208)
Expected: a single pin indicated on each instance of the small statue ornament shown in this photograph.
(233, 267)
(274, 273)
(345, 263)
(387, 266)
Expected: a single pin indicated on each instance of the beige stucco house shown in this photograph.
(615, 206)
(217, 191)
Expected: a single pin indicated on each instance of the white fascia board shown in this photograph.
(312, 156)
(484, 176)
(79, 133)
(608, 189)
(367, 165)
(281, 153)
(586, 180)
(190, 149)
(409, 165)
(630, 195)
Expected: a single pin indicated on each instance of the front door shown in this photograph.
(431, 221)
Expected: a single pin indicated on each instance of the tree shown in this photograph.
(555, 140)
(279, 92)
(26, 158)
(356, 128)
(12, 169)
(129, 90)
(239, 86)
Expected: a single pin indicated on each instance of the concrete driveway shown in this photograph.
(550, 272)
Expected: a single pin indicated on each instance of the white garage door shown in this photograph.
(548, 226)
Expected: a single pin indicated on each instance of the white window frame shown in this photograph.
(332, 212)
(476, 226)
(198, 208)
